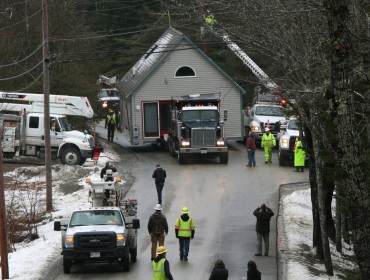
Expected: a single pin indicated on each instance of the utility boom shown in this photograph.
(59, 104)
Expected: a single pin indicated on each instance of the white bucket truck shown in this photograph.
(22, 133)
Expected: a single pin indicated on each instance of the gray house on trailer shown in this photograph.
(173, 66)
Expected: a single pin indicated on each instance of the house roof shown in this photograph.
(147, 64)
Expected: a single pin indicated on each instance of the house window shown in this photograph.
(185, 71)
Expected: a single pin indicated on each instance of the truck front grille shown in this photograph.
(203, 137)
(95, 240)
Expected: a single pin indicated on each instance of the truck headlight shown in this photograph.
(220, 142)
(285, 143)
(185, 143)
(68, 242)
(105, 104)
(255, 128)
(121, 239)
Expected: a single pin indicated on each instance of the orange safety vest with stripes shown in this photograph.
(185, 227)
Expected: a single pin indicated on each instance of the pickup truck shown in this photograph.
(100, 234)
(289, 135)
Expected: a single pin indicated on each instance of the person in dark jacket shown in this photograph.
(219, 271)
(251, 149)
(157, 228)
(159, 175)
(253, 273)
(263, 215)
(161, 266)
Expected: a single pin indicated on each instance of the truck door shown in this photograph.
(56, 134)
(151, 119)
(34, 130)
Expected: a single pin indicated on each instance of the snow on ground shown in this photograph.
(298, 225)
(31, 259)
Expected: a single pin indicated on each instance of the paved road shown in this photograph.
(221, 199)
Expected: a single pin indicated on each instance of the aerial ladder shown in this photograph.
(59, 104)
(265, 80)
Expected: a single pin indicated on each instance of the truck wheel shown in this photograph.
(71, 156)
(281, 160)
(82, 161)
(126, 263)
(171, 146)
(133, 254)
(181, 158)
(67, 266)
(224, 158)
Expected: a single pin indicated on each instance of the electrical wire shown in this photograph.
(34, 81)
(23, 59)
(24, 73)
(24, 20)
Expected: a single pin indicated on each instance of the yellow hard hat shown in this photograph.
(161, 250)
(185, 210)
(110, 111)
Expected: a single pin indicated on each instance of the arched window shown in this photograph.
(185, 71)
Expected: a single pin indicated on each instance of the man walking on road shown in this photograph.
(184, 229)
(111, 123)
(267, 143)
(157, 227)
(263, 215)
(159, 175)
(161, 266)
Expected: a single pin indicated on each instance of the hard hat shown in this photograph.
(267, 129)
(110, 111)
(161, 250)
(158, 207)
(185, 210)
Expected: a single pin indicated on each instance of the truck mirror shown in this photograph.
(136, 223)
(57, 226)
(225, 115)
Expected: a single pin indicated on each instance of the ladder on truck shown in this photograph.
(256, 70)
(59, 104)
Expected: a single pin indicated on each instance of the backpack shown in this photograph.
(160, 175)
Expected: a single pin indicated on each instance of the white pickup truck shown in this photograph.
(289, 135)
(262, 115)
(100, 234)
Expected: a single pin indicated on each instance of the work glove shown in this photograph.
(177, 236)
(192, 236)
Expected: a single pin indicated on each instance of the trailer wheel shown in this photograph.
(133, 254)
(71, 156)
(67, 266)
(126, 263)
(224, 158)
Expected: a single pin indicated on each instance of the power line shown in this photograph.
(24, 73)
(23, 59)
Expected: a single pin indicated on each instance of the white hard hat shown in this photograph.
(158, 207)
(267, 129)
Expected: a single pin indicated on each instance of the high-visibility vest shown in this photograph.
(158, 269)
(210, 20)
(268, 140)
(185, 227)
(111, 119)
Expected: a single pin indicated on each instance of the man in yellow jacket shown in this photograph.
(184, 229)
(161, 266)
(299, 157)
(267, 143)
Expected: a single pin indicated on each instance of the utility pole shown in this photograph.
(46, 83)
(204, 32)
(3, 231)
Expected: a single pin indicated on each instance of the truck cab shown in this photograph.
(289, 135)
(98, 234)
(263, 115)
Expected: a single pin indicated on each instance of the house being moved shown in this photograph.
(173, 66)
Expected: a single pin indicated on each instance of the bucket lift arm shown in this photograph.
(59, 104)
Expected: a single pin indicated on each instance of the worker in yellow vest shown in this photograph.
(184, 229)
(267, 143)
(111, 123)
(161, 266)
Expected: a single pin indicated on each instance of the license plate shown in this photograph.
(203, 151)
(95, 255)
